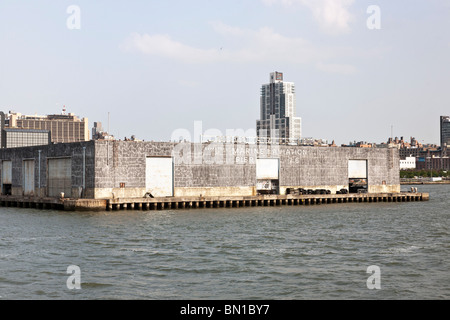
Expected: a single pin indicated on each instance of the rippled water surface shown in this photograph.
(298, 252)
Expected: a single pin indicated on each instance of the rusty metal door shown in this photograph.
(28, 177)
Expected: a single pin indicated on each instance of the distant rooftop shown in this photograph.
(25, 130)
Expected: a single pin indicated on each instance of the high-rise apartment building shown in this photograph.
(277, 118)
(445, 131)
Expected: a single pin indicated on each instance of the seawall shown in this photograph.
(173, 203)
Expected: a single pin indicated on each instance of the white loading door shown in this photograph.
(28, 177)
(159, 176)
(60, 177)
(7, 172)
(267, 169)
(357, 169)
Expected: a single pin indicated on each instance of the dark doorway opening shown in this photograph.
(357, 185)
(6, 189)
(267, 187)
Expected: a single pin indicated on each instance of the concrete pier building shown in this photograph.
(112, 169)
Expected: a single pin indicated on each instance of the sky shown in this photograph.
(362, 69)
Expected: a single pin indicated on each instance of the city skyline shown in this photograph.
(156, 67)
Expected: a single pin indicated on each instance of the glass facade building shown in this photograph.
(16, 138)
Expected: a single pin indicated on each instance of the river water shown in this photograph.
(275, 253)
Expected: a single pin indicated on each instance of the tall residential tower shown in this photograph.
(277, 118)
(445, 131)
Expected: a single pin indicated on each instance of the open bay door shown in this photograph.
(159, 176)
(357, 175)
(267, 176)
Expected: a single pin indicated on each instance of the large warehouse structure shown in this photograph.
(112, 169)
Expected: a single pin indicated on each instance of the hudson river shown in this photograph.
(276, 253)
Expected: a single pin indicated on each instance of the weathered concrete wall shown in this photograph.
(118, 168)
(384, 171)
(230, 169)
(197, 170)
(214, 191)
(327, 168)
(124, 162)
(213, 169)
(72, 150)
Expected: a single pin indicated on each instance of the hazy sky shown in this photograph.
(158, 66)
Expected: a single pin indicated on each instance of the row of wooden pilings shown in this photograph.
(172, 203)
(43, 205)
(128, 204)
